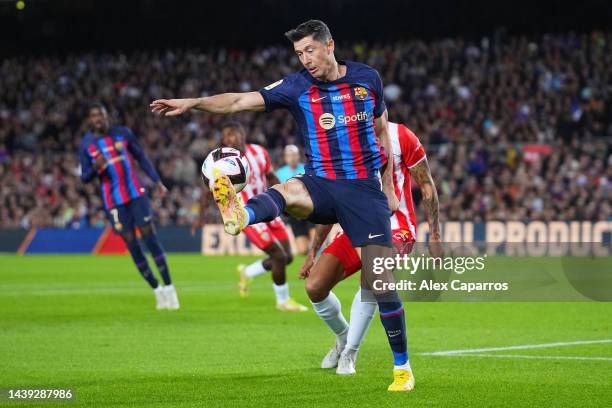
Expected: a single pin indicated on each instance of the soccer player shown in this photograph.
(108, 152)
(302, 229)
(270, 237)
(340, 260)
(340, 110)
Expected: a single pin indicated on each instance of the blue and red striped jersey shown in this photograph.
(119, 179)
(336, 119)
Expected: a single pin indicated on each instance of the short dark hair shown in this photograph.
(96, 105)
(233, 124)
(316, 28)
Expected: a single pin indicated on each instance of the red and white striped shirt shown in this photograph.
(407, 153)
(259, 165)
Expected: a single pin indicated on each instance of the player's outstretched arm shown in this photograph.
(321, 233)
(382, 130)
(431, 205)
(139, 154)
(222, 103)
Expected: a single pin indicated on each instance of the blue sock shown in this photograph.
(158, 255)
(393, 320)
(141, 262)
(265, 207)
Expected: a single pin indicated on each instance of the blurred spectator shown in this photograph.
(479, 107)
(293, 166)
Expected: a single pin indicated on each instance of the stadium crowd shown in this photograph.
(516, 128)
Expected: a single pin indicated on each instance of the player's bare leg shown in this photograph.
(324, 275)
(275, 263)
(280, 280)
(297, 198)
(291, 196)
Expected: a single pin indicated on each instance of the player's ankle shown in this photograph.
(403, 367)
(350, 350)
(341, 339)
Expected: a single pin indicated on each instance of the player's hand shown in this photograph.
(172, 107)
(307, 266)
(161, 190)
(392, 199)
(100, 163)
(436, 249)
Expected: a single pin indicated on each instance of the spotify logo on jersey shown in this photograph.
(327, 121)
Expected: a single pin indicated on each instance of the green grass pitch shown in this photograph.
(88, 323)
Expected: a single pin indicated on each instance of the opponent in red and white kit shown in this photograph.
(340, 259)
(271, 237)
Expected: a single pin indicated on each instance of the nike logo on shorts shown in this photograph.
(370, 236)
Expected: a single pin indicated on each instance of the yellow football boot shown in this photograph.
(243, 281)
(403, 380)
(291, 306)
(232, 210)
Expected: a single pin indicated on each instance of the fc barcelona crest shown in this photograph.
(360, 93)
(119, 145)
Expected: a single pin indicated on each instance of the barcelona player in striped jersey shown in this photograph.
(341, 113)
(108, 153)
(271, 237)
(339, 259)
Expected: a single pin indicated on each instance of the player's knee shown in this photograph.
(276, 253)
(280, 256)
(288, 257)
(316, 289)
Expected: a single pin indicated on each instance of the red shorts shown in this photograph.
(263, 235)
(342, 249)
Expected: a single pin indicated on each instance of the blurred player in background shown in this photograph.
(340, 110)
(340, 260)
(270, 237)
(303, 230)
(108, 152)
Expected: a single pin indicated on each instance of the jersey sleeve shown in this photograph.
(279, 94)
(379, 103)
(87, 170)
(413, 151)
(138, 153)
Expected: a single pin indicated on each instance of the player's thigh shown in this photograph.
(299, 204)
(342, 249)
(278, 229)
(120, 219)
(363, 212)
(142, 214)
(260, 236)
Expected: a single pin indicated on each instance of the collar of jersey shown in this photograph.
(335, 81)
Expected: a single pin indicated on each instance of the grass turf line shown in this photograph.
(88, 322)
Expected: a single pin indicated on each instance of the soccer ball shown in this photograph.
(228, 161)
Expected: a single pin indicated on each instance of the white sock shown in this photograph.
(282, 292)
(330, 311)
(169, 287)
(403, 367)
(361, 317)
(158, 289)
(255, 269)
